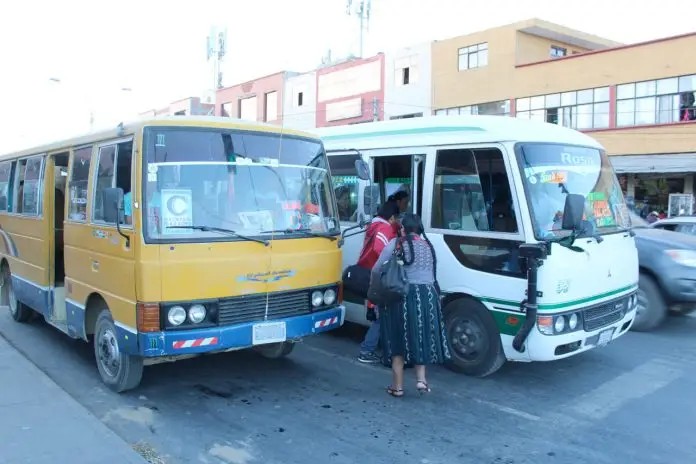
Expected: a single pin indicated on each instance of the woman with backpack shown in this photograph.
(413, 329)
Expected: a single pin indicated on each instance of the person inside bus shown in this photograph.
(401, 198)
(377, 236)
(413, 329)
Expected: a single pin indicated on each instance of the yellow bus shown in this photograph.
(172, 237)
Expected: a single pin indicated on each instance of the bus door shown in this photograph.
(393, 173)
(56, 179)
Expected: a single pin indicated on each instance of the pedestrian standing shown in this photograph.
(377, 236)
(413, 329)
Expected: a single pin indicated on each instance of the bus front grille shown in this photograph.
(250, 308)
(604, 314)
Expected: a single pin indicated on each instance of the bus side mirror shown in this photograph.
(573, 212)
(362, 169)
(112, 199)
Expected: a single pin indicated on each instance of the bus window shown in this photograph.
(5, 177)
(32, 189)
(104, 179)
(114, 170)
(79, 176)
(472, 192)
(345, 181)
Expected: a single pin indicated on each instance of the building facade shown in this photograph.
(637, 100)
(256, 100)
(300, 101)
(407, 82)
(350, 92)
(191, 106)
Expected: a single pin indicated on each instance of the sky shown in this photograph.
(64, 60)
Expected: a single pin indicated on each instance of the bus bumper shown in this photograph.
(234, 337)
(551, 347)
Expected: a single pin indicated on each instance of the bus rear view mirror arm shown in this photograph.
(114, 210)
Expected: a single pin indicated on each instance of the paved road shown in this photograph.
(632, 401)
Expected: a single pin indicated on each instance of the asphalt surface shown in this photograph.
(632, 401)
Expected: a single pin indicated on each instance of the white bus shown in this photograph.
(536, 259)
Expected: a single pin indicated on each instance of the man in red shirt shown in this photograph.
(381, 231)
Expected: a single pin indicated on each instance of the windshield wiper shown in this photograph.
(223, 231)
(304, 231)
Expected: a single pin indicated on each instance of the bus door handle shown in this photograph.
(95, 265)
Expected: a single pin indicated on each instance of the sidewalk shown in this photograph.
(41, 423)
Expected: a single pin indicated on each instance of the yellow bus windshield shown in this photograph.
(201, 184)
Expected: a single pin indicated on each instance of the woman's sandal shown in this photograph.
(395, 392)
(422, 386)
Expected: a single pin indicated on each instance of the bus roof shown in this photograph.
(447, 130)
(134, 127)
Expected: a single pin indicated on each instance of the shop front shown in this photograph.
(659, 183)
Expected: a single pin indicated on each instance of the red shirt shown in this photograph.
(377, 236)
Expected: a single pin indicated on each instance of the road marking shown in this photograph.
(638, 383)
(513, 411)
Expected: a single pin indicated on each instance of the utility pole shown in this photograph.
(362, 10)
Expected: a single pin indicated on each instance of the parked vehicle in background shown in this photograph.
(683, 224)
(667, 281)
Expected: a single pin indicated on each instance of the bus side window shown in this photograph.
(79, 177)
(5, 178)
(106, 161)
(472, 192)
(124, 165)
(345, 181)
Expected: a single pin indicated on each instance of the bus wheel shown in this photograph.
(19, 311)
(119, 371)
(651, 310)
(473, 339)
(275, 350)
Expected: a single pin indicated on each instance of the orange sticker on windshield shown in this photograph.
(556, 177)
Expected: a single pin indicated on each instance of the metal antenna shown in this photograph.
(362, 11)
(216, 48)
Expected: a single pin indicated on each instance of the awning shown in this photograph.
(642, 164)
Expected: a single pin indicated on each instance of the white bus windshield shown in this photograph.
(200, 183)
(551, 171)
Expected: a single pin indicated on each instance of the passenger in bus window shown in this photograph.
(413, 329)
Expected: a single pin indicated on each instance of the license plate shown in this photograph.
(272, 332)
(605, 337)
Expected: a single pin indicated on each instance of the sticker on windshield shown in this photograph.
(532, 180)
(554, 177)
(152, 168)
(159, 141)
(152, 177)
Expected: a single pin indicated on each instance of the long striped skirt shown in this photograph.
(414, 328)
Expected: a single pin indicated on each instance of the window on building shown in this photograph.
(28, 193)
(498, 108)
(405, 76)
(474, 56)
(248, 109)
(180, 113)
(472, 192)
(300, 98)
(79, 176)
(5, 183)
(581, 109)
(227, 110)
(271, 106)
(558, 52)
(113, 170)
(660, 101)
(345, 181)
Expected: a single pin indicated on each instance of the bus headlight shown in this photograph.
(573, 321)
(559, 324)
(317, 298)
(197, 313)
(176, 315)
(329, 296)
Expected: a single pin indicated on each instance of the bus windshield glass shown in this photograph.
(200, 184)
(551, 171)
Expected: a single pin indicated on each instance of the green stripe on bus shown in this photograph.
(417, 131)
(567, 304)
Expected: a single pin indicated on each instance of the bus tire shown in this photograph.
(652, 309)
(473, 339)
(275, 350)
(18, 310)
(119, 371)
